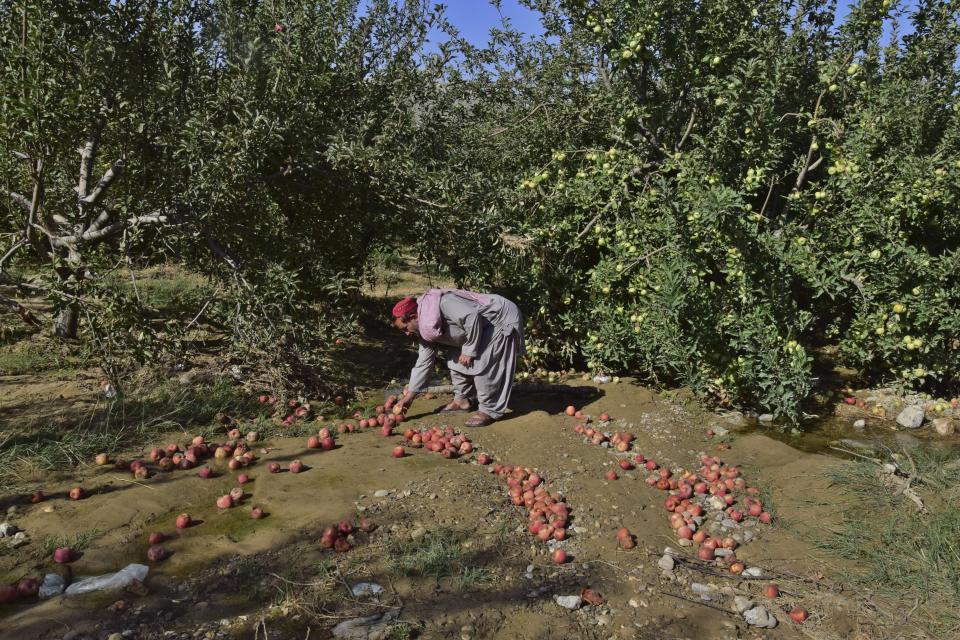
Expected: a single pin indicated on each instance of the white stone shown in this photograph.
(911, 417)
(569, 602)
(742, 603)
(859, 424)
(944, 426)
(759, 617)
(666, 563)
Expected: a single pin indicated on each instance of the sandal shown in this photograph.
(445, 408)
(479, 419)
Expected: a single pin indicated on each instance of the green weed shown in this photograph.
(121, 423)
(899, 553)
(436, 554)
(77, 541)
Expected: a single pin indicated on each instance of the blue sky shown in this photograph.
(475, 18)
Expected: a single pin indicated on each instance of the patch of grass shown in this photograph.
(121, 423)
(35, 356)
(436, 554)
(898, 553)
(470, 577)
(168, 288)
(400, 631)
(77, 541)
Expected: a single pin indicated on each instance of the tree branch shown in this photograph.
(102, 186)
(686, 133)
(802, 177)
(25, 314)
(12, 250)
(219, 250)
(22, 200)
(94, 235)
(87, 154)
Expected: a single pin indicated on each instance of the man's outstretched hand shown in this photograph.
(465, 360)
(405, 401)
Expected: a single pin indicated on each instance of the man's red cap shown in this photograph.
(404, 307)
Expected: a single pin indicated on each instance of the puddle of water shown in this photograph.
(819, 435)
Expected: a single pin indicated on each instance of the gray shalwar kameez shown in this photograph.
(492, 334)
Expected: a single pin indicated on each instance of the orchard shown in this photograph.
(732, 230)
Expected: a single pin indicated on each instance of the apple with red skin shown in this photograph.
(184, 520)
(156, 553)
(559, 556)
(77, 493)
(28, 587)
(8, 593)
(295, 466)
(37, 496)
(771, 591)
(799, 614)
(156, 538)
(398, 452)
(273, 467)
(63, 555)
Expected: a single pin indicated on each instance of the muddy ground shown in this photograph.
(234, 577)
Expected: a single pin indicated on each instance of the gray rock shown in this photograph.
(753, 572)
(719, 431)
(759, 617)
(944, 426)
(418, 533)
(859, 424)
(705, 591)
(7, 530)
(381, 493)
(569, 602)
(362, 589)
(18, 540)
(716, 502)
(911, 417)
(666, 562)
(742, 604)
(373, 626)
(765, 417)
(53, 585)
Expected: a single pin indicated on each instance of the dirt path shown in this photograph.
(228, 572)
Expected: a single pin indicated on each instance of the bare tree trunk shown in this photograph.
(65, 322)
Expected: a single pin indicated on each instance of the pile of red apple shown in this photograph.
(547, 512)
(340, 538)
(447, 442)
(26, 588)
(236, 451)
(715, 483)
